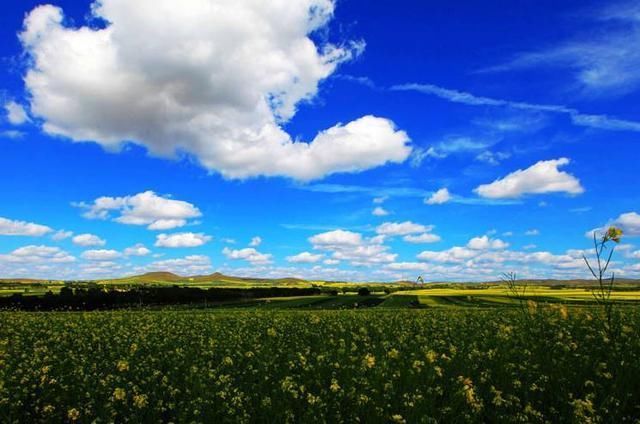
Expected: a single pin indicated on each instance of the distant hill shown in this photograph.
(218, 278)
(25, 281)
(158, 276)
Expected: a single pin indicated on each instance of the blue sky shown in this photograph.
(332, 140)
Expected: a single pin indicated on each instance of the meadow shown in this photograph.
(546, 363)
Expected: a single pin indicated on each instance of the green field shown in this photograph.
(384, 295)
(499, 295)
(405, 353)
(376, 365)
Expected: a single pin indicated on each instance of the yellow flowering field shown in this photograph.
(549, 364)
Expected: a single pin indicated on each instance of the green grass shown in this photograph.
(409, 296)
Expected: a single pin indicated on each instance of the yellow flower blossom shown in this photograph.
(140, 401)
(369, 361)
(119, 394)
(73, 414)
(122, 366)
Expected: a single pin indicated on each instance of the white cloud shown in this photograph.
(493, 158)
(305, 258)
(484, 242)
(628, 222)
(352, 247)
(336, 238)
(484, 258)
(147, 208)
(212, 79)
(422, 238)
(605, 61)
(100, 255)
(603, 122)
(248, 254)
(37, 254)
(402, 228)
(137, 250)
(408, 266)
(181, 240)
(88, 240)
(255, 241)
(189, 265)
(16, 113)
(101, 268)
(379, 211)
(419, 155)
(542, 177)
(62, 235)
(9, 227)
(452, 255)
(532, 232)
(380, 200)
(331, 262)
(12, 134)
(439, 197)
(450, 145)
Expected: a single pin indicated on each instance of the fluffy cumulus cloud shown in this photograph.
(16, 113)
(379, 211)
(137, 250)
(146, 208)
(101, 255)
(255, 241)
(181, 240)
(336, 238)
(9, 227)
(36, 255)
(213, 79)
(401, 228)
(101, 269)
(189, 265)
(62, 235)
(422, 238)
(542, 177)
(484, 242)
(439, 197)
(452, 255)
(480, 258)
(248, 254)
(353, 247)
(629, 223)
(88, 240)
(305, 258)
(411, 232)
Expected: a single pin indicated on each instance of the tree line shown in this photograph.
(97, 298)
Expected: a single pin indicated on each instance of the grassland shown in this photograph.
(377, 365)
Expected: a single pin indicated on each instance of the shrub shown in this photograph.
(364, 291)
